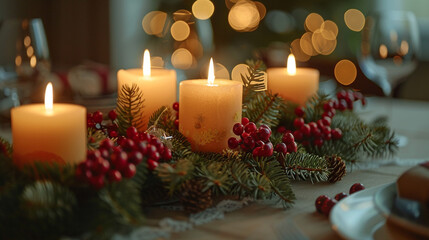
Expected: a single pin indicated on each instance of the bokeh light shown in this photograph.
(30, 51)
(180, 30)
(313, 22)
(33, 61)
(18, 61)
(279, 21)
(181, 58)
(354, 19)
(156, 62)
(321, 44)
(329, 30)
(404, 48)
(244, 16)
(153, 23)
(383, 51)
(345, 72)
(306, 44)
(297, 51)
(27, 41)
(261, 9)
(397, 60)
(203, 9)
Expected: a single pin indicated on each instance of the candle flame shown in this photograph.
(291, 65)
(49, 102)
(146, 63)
(211, 76)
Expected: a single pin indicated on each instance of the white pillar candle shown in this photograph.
(49, 132)
(157, 85)
(208, 111)
(294, 84)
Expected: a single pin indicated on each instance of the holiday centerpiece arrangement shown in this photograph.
(226, 140)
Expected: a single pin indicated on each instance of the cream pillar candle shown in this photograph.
(293, 84)
(50, 132)
(208, 111)
(157, 85)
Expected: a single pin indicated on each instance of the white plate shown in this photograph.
(355, 217)
(384, 201)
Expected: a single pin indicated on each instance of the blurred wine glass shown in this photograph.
(24, 58)
(390, 46)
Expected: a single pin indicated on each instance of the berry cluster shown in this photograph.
(257, 140)
(176, 108)
(346, 99)
(324, 204)
(95, 119)
(113, 162)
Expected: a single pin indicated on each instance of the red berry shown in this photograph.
(317, 133)
(113, 134)
(130, 170)
(151, 164)
(97, 181)
(336, 133)
(156, 142)
(288, 138)
(128, 145)
(144, 136)
(250, 127)
(326, 121)
(103, 166)
(334, 104)
(257, 152)
(121, 140)
(281, 148)
(293, 147)
(155, 156)
(363, 101)
(328, 106)
(357, 95)
(135, 157)
(298, 122)
(327, 206)
(306, 131)
(356, 188)
(93, 155)
(112, 115)
(119, 160)
(281, 129)
(97, 117)
(266, 127)
(132, 132)
(90, 123)
(267, 149)
(176, 123)
(319, 202)
(264, 134)
(305, 143)
(167, 155)
(176, 106)
(114, 175)
(238, 129)
(245, 121)
(299, 112)
(341, 94)
(142, 147)
(340, 196)
(259, 143)
(313, 126)
(320, 124)
(326, 130)
(350, 96)
(232, 143)
(249, 142)
(327, 136)
(318, 142)
(327, 114)
(342, 105)
(297, 135)
(107, 144)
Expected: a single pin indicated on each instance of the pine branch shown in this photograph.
(175, 176)
(163, 118)
(129, 108)
(264, 108)
(305, 166)
(254, 80)
(94, 137)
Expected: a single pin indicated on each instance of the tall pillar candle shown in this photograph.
(157, 85)
(49, 133)
(208, 111)
(294, 84)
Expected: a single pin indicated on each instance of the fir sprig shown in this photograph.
(129, 108)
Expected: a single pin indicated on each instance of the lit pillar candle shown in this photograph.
(208, 111)
(49, 132)
(158, 86)
(293, 84)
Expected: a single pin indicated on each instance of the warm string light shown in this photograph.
(291, 65)
(146, 63)
(211, 76)
(49, 99)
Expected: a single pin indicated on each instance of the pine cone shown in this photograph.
(337, 168)
(193, 198)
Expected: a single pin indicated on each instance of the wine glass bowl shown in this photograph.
(390, 48)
